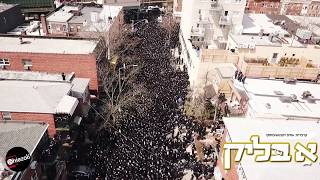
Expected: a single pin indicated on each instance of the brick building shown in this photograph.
(284, 7)
(314, 9)
(263, 7)
(53, 55)
(42, 97)
(82, 20)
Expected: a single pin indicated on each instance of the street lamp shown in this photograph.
(124, 67)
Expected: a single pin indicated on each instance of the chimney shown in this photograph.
(44, 24)
(63, 76)
(21, 40)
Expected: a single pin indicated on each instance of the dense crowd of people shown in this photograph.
(152, 144)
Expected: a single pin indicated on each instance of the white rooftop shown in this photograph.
(63, 14)
(34, 76)
(241, 129)
(32, 96)
(245, 40)
(80, 85)
(47, 45)
(253, 23)
(264, 98)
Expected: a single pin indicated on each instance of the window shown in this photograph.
(293, 54)
(27, 64)
(4, 63)
(6, 116)
(64, 28)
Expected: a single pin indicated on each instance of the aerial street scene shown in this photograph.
(159, 89)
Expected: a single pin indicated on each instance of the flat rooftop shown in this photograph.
(32, 96)
(271, 97)
(34, 76)
(254, 23)
(63, 14)
(243, 41)
(47, 45)
(241, 129)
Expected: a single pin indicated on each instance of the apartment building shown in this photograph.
(83, 20)
(269, 130)
(284, 7)
(52, 55)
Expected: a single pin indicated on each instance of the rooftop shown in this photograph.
(226, 71)
(241, 129)
(20, 134)
(250, 41)
(33, 96)
(47, 45)
(274, 97)
(63, 14)
(34, 76)
(254, 23)
(80, 85)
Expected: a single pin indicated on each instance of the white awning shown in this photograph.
(67, 105)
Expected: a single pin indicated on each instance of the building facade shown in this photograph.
(53, 55)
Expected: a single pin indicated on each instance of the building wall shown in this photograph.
(39, 117)
(232, 173)
(294, 9)
(10, 19)
(263, 7)
(84, 66)
(314, 9)
(57, 28)
(283, 51)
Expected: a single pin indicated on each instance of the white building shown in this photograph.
(279, 99)
(206, 24)
(270, 130)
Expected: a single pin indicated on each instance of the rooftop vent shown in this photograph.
(290, 81)
(294, 98)
(306, 94)
(279, 93)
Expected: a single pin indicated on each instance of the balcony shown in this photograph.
(225, 20)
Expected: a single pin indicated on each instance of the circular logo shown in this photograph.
(18, 159)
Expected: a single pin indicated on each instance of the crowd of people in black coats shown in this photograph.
(152, 144)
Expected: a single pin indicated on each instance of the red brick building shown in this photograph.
(53, 55)
(56, 102)
(263, 7)
(314, 9)
(284, 7)
(294, 8)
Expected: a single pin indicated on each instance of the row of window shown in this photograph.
(27, 63)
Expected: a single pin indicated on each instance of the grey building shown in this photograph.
(10, 17)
